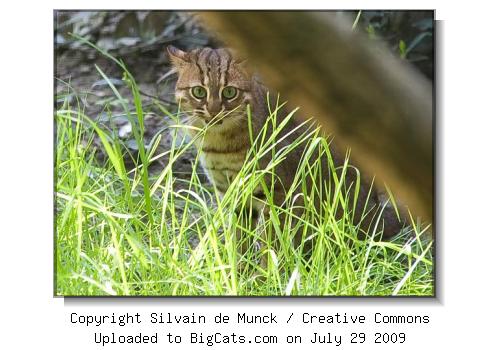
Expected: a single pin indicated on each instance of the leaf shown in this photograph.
(128, 41)
(371, 31)
(294, 280)
(125, 131)
(402, 49)
(105, 82)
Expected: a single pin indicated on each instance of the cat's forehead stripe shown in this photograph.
(196, 61)
(213, 62)
(202, 61)
(213, 66)
(219, 61)
(213, 69)
(225, 62)
(226, 73)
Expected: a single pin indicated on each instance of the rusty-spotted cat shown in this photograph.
(215, 88)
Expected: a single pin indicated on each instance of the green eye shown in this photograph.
(199, 92)
(229, 92)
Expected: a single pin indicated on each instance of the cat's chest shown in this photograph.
(223, 155)
(222, 169)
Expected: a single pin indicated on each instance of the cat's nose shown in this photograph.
(213, 108)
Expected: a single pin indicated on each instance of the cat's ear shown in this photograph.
(244, 66)
(242, 62)
(237, 58)
(177, 56)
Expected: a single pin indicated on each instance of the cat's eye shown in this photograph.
(229, 92)
(199, 92)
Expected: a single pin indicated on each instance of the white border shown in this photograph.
(464, 316)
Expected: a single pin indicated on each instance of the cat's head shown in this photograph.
(211, 83)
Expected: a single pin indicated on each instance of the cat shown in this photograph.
(216, 87)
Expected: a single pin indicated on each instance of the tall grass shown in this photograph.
(130, 232)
